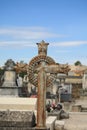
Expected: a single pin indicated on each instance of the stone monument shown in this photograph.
(41, 69)
(9, 86)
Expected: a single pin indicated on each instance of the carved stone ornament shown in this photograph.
(9, 65)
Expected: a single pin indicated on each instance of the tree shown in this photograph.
(1, 72)
(77, 63)
(21, 62)
(22, 74)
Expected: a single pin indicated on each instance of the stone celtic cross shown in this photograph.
(41, 68)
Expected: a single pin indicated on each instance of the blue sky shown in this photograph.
(61, 23)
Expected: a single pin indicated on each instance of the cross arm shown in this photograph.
(57, 68)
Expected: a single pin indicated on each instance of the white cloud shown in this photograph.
(63, 51)
(27, 36)
(32, 43)
(17, 44)
(28, 33)
(69, 43)
(24, 36)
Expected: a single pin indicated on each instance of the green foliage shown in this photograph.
(21, 74)
(77, 63)
(1, 72)
(21, 62)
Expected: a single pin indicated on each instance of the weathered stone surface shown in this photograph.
(9, 79)
(9, 65)
(76, 108)
(59, 114)
(17, 118)
(50, 122)
(17, 103)
(64, 115)
(10, 84)
(56, 113)
(34, 63)
(59, 125)
(9, 91)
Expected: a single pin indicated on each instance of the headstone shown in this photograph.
(9, 86)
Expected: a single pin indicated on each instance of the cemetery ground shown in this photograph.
(76, 120)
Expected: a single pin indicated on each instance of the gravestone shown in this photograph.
(40, 69)
(9, 86)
